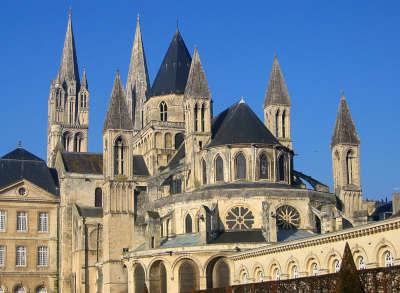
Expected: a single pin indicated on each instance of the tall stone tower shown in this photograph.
(68, 104)
(118, 208)
(277, 106)
(198, 114)
(137, 82)
(345, 149)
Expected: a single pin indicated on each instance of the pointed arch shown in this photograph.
(188, 224)
(66, 140)
(78, 139)
(163, 111)
(281, 168)
(196, 118)
(203, 110)
(240, 166)
(219, 169)
(350, 167)
(263, 166)
(98, 197)
(119, 156)
(277, 123)
(178, 139)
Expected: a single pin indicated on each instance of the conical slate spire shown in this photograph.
(84, 82)
(117, 115)
(197, 85)
(137, 81)
(69, 62)
(345, 131)
(173, 73)
(277, 92)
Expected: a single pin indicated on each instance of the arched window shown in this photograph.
(263, 166)
(336, 266)
(78, 142)
(361, 263)
(203, 110)
(188, 277)
(119, 157)
(58, 98)
(66, 141)
(295, 272)
(163, 111)
(350, 167)
(158, 277)
(314, 269)
(204, 171)
(244, 278)
(169, 228)
(218, 274)
(19, 289)
(277, 124)
(389, 260)
(240, 166)
(98, 197)
(283, 124)
(277, 274)
(139, 279)
(196, 119)
(168, 140)
(188, 224)
(219, 169)
(281, 168)
(178, 140)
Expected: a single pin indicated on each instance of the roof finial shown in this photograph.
(242, 100)
(138, 17)
(19, 144)
(70, 12)
(177, 24)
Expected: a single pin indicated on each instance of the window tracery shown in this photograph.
(239, 218)
(287, 217)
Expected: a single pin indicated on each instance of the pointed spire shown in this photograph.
(84, 82)
(277, 92)
(117, 115)
(348, 279)
(137, 81)
(197, 85)
(69, 63)
(173, 73)
(345, 131)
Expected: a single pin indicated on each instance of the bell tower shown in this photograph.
(198, 114)
(118, 188)
(68, 104)
(345, 149)
(277, 106)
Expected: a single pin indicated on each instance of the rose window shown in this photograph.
(287, 217)
(239, 218)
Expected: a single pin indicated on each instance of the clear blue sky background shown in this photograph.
(323, 47)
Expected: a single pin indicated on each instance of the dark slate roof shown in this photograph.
(239, 124)
(288, 235)
(21, 164)
(181, 240)
(174, 70)
(197, 85)
(277, 92)
(139, 166)
(384, 209)
(345, 131)
(118, 115)
(83, 163)
(90, 212)
(245, 236)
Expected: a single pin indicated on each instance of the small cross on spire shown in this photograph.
(19, 144)
(70, 11)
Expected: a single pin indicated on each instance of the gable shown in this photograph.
(32, 192)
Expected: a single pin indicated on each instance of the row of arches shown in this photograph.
(264, 168)
(72, 142)
(217, 273)
(21, 289)
(313, 266)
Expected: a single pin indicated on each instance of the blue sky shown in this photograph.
(323, 47)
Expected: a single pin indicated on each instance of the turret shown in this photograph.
(277, 106)
(345, 149)
(198, 114)
(137, 82)
(68, 104)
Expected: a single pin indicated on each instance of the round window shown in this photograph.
(22, 191)
(239, 218)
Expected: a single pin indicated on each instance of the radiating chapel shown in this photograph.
(183, 198)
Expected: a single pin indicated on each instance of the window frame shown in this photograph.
(42, 257)
(20, 262)
(46, 230)
(3, 220)
(3, 254)
(18, 223)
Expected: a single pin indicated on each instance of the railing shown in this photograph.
(385, 280)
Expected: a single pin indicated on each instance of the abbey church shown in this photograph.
(180, 198)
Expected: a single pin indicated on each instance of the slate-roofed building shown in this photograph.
(179, 198)
(29, 200)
